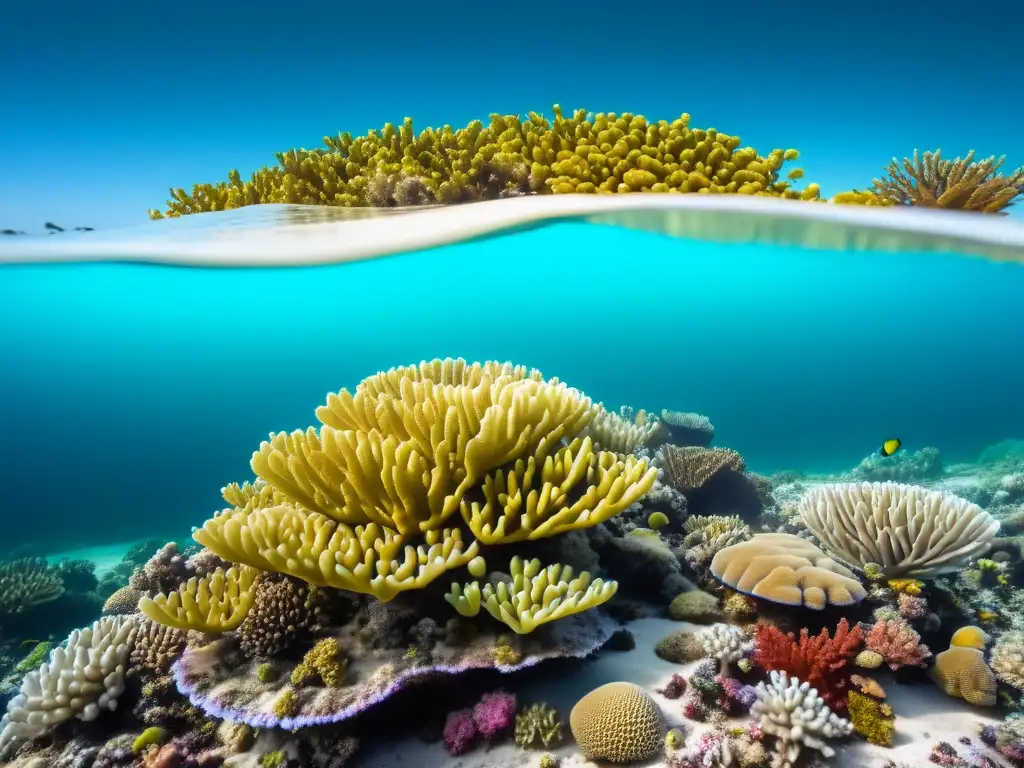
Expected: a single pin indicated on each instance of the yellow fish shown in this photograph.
(890, 446)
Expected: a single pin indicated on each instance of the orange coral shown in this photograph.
(898, 643)
(820, 660)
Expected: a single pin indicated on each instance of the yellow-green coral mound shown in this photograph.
(583, 152)
(618, 722)
(371, 501)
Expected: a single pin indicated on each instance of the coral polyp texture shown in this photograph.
(508, 156)
(963, 183)
(898, 530)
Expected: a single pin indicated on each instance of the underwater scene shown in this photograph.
(510, 435)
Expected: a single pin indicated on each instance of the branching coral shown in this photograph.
(794, 713)
(613, 432)
(27, 582)
(821, 660)
(904, 530)
(216, 603)
(707, 535)
(538, 723)
(396, 459)
(897, 643)
(581, 152)
(726, 644)
(82, 678)
(963, 183)
(535, 596)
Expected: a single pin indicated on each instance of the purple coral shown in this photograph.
(674, 688)
(494, 713)
(459, 731)
(739, 696)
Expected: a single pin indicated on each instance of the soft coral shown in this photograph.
(818, 660)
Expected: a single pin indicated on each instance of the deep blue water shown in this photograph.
(130, 394)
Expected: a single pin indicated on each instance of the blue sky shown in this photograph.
(107, 104)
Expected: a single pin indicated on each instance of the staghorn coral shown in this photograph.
(26, 583)
(820, 660)
(82, 677)
(794, 713)
(1008, 659)
(535, 596)
(215, 603)
(962, 673)
(897, 643)
(726, 644)
(581, 152)
(688, 469)
(784, 568)
(905, 530)
(707, 535)
(962, 184)
(617, 723)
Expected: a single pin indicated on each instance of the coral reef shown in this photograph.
(581, 152)
(26, 583)
(963, 183)
(903, 467)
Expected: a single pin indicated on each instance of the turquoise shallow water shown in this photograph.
(130, 394)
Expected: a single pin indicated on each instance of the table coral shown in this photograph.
(576, 153)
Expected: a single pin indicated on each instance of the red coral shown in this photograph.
(820, 660)
(898, 643)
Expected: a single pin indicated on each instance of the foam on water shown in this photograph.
(293, 235)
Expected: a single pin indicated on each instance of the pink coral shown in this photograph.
(898, 643)
(494, 713)
(912, 606)
(459, 731)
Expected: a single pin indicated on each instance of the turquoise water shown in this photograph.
(130, 394)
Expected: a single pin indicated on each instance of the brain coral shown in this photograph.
(786, 569)
(618, 722)
(962, 672)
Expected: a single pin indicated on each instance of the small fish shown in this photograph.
(890, 446)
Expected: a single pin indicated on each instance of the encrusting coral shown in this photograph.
(964, 183)
(900, 530)
(581, 152)
(617, 723)
(784, 568)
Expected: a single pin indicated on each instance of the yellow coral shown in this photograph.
(369, 559)
(324, 661)
(906, 586)
(618, 722)
(856, 197)
(532, 502)
(870, 720)
(963, 183)
(582, 152)
(536, 595)
(970, 637)
(963, 673)
(868, 659)
(215, 603)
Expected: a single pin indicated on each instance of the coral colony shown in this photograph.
(451, 521)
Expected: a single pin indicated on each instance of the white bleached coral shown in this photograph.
(796, 715)
(81, 678)
(725, 644)
(905, 530)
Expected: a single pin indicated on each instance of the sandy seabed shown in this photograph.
(924, 715)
